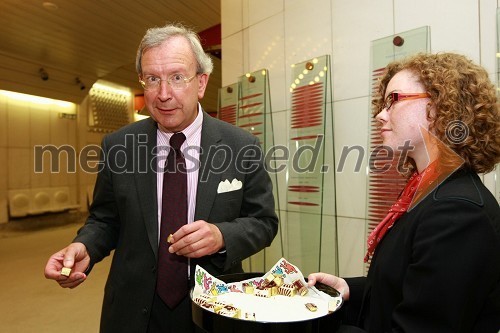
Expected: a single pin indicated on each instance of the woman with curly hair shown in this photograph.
(435, 258)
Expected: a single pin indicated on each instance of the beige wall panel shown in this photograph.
(39, 125)
(60, 178)
(39, 179)
(18, 168)
(3, 171)
(71, 124)
(4, 217)
(58, 130)
(39, 135)
(18, 120)
(3, 121)
(73, 196)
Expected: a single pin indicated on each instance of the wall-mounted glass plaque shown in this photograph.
(228, 103)
(384, 187)
(254, 115)
(310, 107)
(253, 103)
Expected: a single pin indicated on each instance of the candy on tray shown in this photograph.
(278, 281)
(229, 311)
(204, 298)
(311, 307)
(267, 281)
(219, 305)
(333, 304)
(263, 292)
(287, 289)
(301, 288)
(208, 306)
(248, 288)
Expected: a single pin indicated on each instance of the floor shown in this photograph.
(29, 303)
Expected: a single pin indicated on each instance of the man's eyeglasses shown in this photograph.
(176, 81)
(394, 97)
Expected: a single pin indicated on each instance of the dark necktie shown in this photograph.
(172, 284)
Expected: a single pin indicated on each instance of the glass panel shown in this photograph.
(253, 103)
(228, 103)
(310, 96)
(398, 46)
(384, 187)
(254, 115)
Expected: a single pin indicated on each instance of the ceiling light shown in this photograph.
(43, 74)
(50, 6)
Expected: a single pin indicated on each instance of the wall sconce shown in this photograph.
(43, 74)
(80, 83)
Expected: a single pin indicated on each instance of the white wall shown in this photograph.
(26, 122)
(275, 34)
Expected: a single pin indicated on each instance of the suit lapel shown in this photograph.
(145, 179)
(208, 177)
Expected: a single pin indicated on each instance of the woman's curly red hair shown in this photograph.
(461, 93)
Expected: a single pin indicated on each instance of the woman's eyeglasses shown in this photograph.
(394, 97)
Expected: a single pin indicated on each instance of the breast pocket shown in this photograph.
(227, 206)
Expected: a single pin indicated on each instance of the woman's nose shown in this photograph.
(382, 115)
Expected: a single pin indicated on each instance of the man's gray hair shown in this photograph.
(156, 36)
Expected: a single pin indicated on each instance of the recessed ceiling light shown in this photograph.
(50, 6)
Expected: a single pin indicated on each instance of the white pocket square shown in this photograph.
(226, 186)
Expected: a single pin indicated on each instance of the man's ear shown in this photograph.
(202, 84)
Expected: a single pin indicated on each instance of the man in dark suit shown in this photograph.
(230, 205)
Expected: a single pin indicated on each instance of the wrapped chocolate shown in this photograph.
(311, 307)
(266, 292)
(267, 282)
(301, 287)
(287, 289)
(66, 271)
(248, 288)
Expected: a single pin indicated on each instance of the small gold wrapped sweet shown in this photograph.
(311, 307)
(263, 292)
(248, 288)
(301, 288)
(287, 289)
(170, 238)
(230, 311)
(278, 281)
(66, 271)
(267, 282)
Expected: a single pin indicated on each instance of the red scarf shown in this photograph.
(420, 182)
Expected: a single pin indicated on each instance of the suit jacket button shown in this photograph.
(145, 311)
(153, 269)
